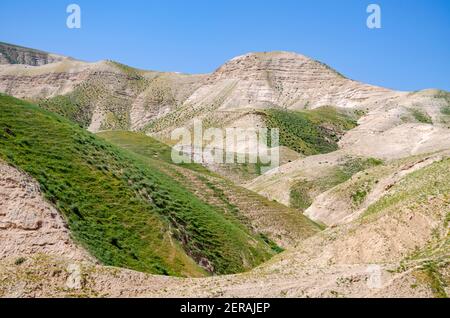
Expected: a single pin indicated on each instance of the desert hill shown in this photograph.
(362, 184)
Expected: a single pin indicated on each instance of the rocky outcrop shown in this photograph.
(162, 94)
(28, 224)
(13, 54)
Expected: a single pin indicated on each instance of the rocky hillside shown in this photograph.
(116, 96)
(418, 123)
(269, 80)
(107, 95)
(100, 96)
(283, 79)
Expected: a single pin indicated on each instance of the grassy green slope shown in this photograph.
(154, 149)
(148, 147)
(309, 132)
(125, 213)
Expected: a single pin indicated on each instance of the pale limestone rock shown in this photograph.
(29, 224)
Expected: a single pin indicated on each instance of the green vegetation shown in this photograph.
(219, 193)
(300, 196)
(355, 165)
(148, 147)
(309, 132)
(102, 92)
(445, 110)
(20, 261)
(360, 195)
(69, 107)
(421, 116)
(274, 246)
(157, 150)
(435, 279)
(139, 143)
(234, 202)
(240, 172)
(303, 191)
(125, 212)
(128, 70)
(358, 113)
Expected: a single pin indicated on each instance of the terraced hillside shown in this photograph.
(122, 210)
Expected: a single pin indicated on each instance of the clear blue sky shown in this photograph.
(410, 52)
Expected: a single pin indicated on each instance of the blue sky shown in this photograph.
(410, 52)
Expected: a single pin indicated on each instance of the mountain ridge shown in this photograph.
(253, 80)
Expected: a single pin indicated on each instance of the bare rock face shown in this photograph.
(28, 224)
(50, 80)
(12, 54)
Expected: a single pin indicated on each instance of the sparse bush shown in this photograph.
(421, 116)
(445, 110)
(359, 196)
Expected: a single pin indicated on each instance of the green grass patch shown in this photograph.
(272, 244)
(309, 132)
(445, 110)
(100, 92)
(300, 197)
(359, 196)
(435, 279)
(224, 195)
(69, 107)
(421, 116)
(148, 147)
